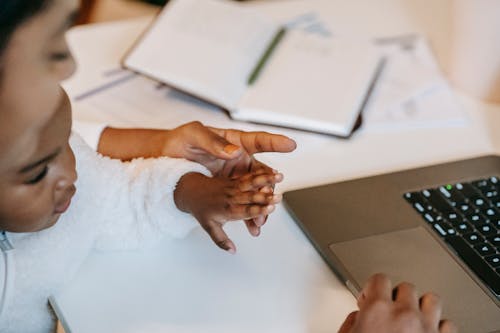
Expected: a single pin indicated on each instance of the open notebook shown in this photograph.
(251, 66)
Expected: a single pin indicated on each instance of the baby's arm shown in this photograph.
(215, 201)
(127, 205)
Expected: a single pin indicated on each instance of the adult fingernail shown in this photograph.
(231, 149)
(231, 250)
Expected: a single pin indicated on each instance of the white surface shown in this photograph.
(475, 62)
(277, 282)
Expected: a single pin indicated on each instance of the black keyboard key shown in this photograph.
(418, 201)
(453, 218)
(452, 194)
(493, 260)
(495, 241)
(432, 217)
(468, 191)
(444, 229)
(475, 263)
(491, 194)
(440, 230)
(439, 203)
(410, 196)
(490, 213)
(480, 203)
(419, 207)
(473, 238)
(463, 227)
(476, 219)
(484, 249)
(482, 184)
(492, 183)
(487, 229)
(466, 208)
(495, 202)
(444, 190)
(450, 230)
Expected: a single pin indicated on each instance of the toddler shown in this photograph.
(59, 199)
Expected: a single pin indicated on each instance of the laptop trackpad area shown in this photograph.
(414, 255)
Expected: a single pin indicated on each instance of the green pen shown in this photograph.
(263, 59)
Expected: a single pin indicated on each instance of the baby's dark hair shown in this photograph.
(13, 13)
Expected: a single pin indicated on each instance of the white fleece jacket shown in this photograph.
(117, 205)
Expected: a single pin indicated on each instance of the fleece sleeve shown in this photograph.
(133, 201)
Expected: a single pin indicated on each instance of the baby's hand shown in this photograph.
(215, 201)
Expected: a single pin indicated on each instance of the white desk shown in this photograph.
(277, 282)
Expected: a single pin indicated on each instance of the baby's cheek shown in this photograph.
(26, 214)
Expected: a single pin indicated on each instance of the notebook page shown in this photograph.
(312, 83)
(207, 48)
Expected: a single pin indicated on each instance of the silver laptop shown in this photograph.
(437, 227)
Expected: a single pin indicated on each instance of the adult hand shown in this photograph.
(383, 309)
(225, 152)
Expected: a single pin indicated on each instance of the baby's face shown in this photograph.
(37, 166)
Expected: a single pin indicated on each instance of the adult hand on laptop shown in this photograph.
(383, 309)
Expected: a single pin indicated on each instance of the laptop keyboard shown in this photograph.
(467, 217)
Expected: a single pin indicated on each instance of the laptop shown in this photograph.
(437, 227)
